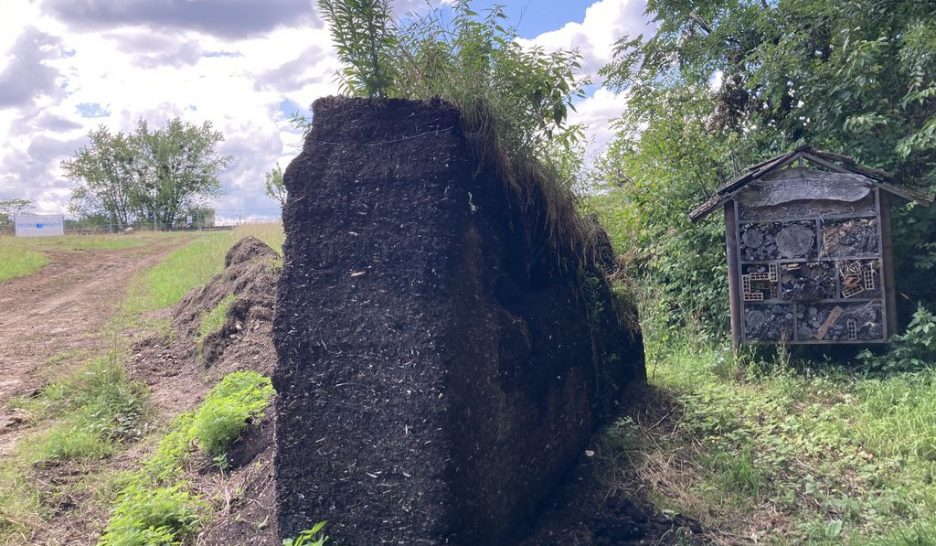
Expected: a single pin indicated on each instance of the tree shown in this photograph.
(175, 169)
(149, 175)
(9, 208)
(273, 185)
(103, 171)
(857, 77)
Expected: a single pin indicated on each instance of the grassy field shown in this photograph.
(18, 262)
(777, 452)
(21, 256)
(87, 414)
(190, 266)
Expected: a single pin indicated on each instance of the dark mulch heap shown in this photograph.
(441, 364)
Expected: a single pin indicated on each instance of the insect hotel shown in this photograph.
(808, 237)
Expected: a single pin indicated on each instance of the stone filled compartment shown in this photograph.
(768, 322)
(839, 322)
(777, 240)
(807, 281)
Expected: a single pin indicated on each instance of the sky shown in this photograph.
(69, 66)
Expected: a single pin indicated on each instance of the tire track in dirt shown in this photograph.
(63, 308)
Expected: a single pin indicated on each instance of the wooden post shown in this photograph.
(887, 275)
(734, 284)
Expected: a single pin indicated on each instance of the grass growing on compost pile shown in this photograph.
(156, 505)
(93, 411)
(784, 453)
(214, 319)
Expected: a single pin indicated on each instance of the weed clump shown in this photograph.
(145, 516)
(102, 407)
(239, 398)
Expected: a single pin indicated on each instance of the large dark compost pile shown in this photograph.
(441, 364)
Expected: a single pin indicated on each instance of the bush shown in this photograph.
(155, 508)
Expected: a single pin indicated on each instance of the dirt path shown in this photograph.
(61, 312)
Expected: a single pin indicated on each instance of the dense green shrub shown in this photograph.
(156, 506)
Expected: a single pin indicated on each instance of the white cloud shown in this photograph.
(605, 22)
(117, 74)
(596, 113)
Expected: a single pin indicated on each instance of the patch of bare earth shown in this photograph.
(58, 315)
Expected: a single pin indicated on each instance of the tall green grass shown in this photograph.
(21, 256)
(793, 452)
(190, 266)
(19, 262)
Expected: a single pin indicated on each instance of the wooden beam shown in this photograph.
(734, 274)
(888, 279)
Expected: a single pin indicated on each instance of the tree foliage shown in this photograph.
(856, 76)
(151, 175)
(9, 208)
(363, 33)
(273, 185)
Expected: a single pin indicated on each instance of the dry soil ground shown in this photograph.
(61, 312)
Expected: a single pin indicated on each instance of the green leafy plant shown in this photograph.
(310, 537)
(156, 506)
(913, 350)
(146, 516)
(364, 36)
(239, 398)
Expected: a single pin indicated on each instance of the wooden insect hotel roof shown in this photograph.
(834, 162)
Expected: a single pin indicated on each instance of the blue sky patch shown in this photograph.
(92, 110)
